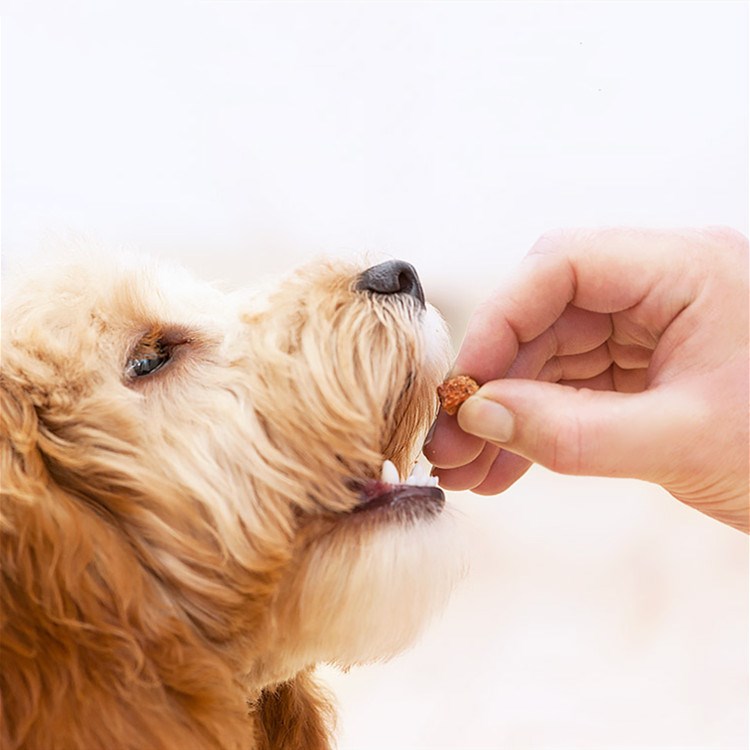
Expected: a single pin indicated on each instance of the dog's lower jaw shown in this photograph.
(359, 594)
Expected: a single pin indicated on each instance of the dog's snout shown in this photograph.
(392, 277)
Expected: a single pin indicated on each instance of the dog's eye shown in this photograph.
(148, 357)
(157, 348)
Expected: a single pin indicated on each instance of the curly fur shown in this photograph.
(178, 550)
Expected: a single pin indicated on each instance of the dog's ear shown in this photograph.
(17, 461)
(295, 715)
(56, 563)
(78, 611)
(39, 538)
(28, 548)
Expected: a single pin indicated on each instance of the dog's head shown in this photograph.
(240, 456)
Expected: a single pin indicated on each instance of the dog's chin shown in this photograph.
(364, 583)
(363, 592)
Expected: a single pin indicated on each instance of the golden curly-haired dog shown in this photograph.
(195, 504)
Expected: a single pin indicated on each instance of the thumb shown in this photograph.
(580, 431)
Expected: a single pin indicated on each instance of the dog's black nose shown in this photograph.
(392, 277)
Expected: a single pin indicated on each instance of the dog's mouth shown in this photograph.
(417, 496)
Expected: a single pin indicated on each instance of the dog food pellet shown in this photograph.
(454, 391)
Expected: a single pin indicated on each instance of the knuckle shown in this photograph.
(571, 446)
(564, 446)
(569, 242)
(724, 242)
(726, 237)
(551, 241)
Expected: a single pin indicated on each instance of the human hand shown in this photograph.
(614, 353)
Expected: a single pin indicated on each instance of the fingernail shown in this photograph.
(430, 434)
(486, 419)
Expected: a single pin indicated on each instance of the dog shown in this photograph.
(207, 493)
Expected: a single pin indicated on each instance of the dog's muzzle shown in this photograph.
(388, 495)
(394, 277)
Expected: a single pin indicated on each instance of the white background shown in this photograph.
(246, 138)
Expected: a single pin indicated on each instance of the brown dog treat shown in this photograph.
(454, 391)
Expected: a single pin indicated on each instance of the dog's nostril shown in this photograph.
(392, 277)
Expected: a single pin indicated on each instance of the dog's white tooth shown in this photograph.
(389, 473)
(420, 478)
(410, 480)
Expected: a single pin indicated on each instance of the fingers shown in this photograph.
(607, 366)
(470, 475)
(578, 431)
(576, 331)
(576, 366)
(505, 471)
(629, 356)
(515, 314)
(629, 380)
(463, 461)
(493, 471)
(450, 446)
(599, 271)
(585, 308)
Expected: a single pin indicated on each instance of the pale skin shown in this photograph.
(618, 353)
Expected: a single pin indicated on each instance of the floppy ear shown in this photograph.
(76, 613)
(57, 565)
(29, 548)
(18, 466)
(294, 715)
(44, 551)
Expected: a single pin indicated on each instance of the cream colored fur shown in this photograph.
(178, 550)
